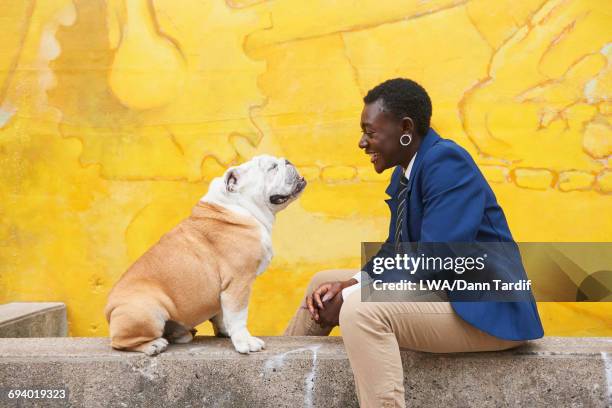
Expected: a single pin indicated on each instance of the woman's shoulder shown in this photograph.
(447, 150)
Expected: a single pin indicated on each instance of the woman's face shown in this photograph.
(381, 135)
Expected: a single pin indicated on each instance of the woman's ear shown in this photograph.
(408, 125)
(231, 179)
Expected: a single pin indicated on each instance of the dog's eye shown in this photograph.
(275, 165)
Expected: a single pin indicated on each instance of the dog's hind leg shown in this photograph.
(138, 327)
(153, 347)
(178, 333)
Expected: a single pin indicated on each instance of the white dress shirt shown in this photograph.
(350, 289)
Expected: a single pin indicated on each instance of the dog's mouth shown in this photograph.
(283, 198)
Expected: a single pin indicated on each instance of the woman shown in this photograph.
(437, 195)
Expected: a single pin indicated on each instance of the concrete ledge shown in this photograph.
(303, 372)
(33, 319)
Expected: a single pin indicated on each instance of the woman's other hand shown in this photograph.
(323, 294)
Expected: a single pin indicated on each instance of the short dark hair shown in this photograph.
(403, 97)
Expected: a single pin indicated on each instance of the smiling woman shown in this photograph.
(438, 194)
(394, 126)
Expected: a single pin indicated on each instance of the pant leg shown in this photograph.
(374, 332)
(302, 324)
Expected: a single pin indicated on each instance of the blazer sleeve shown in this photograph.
(453, 196)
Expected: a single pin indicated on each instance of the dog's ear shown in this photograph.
(231, 179)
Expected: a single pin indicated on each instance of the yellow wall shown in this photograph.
(115, 115)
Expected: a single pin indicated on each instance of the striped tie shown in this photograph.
(401, 211)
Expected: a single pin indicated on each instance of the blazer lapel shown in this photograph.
(430, 139)
(393, 188)
(394, 183)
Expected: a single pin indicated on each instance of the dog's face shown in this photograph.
(266, 180)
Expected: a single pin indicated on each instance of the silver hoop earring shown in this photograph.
(409, 136)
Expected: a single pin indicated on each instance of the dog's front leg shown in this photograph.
(218, 326)
(234, 308)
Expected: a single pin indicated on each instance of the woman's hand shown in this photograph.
(325, 292)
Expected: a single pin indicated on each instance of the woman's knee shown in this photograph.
(326, 275)
(346, 317)
(351, 314)
(359, 318)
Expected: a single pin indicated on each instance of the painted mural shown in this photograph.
(115, 115)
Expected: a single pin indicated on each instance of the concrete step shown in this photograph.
(33, 319)
(304, 372)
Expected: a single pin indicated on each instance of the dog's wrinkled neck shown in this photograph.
(218, 195)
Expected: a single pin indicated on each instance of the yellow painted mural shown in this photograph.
(115, 115)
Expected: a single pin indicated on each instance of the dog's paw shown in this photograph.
(155, 347)
(245, 343)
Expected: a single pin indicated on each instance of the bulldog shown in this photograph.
(204, 268)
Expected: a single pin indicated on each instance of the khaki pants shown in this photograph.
(374, 332)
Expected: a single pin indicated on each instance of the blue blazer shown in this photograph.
(450, 201)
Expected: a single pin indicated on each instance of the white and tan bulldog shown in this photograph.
(204, 268)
